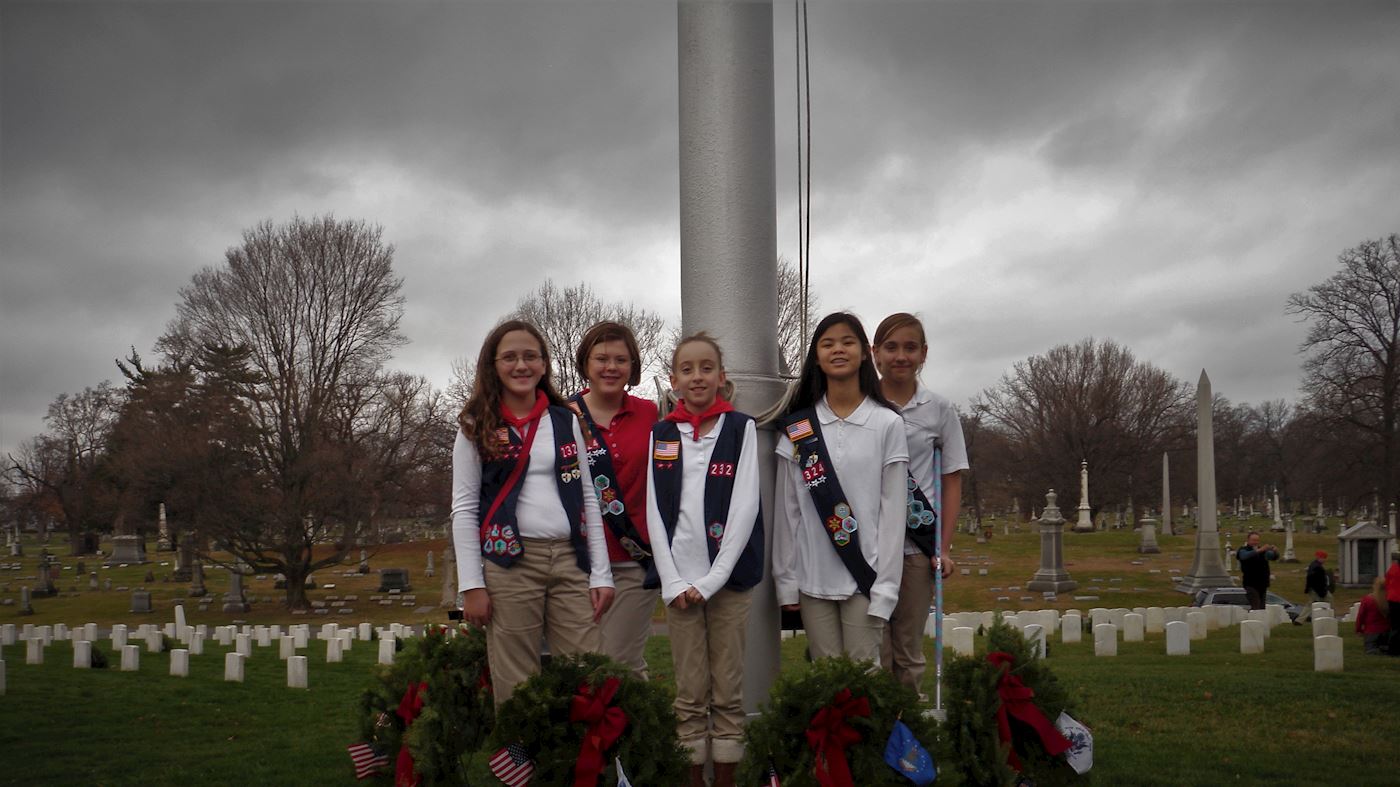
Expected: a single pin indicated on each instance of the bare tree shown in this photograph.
(459, 386)
(564, 315)
(315, 305)
(1088, 401)
(1351, 373)
(792, 334)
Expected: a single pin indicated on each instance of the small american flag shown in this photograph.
(367, 761)
(800, 431)
(512, 765)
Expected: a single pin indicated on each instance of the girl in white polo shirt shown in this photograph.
(839, 555)
(531, 557)
(929, 420)
(707, 538)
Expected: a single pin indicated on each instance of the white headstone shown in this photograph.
(243, 646)
(347, 636)
(296, 672)
(44, 633)
(333, 650)
(1134, 625)
(264, 636)
(1277, 614)
(1252, 635)
(299, 638)
(118, 636)
(1178, 638)
(1196, 619)
(960, 640)
(1105, 640)
(131, 658)
(60, 631)
(233, 667)
(179, 616)
(1154, 619)
(82, 654)
(1324, 627)
(1035, 634)
(180, 663)
(274, 632)
(7, 635)
(1071, 628)
(170, 631)
(386, 651)
(286, 648)
(1327, 653)
(197, 644)
(155, 641)
(366, 630)
(1261, 616)
(90, 632)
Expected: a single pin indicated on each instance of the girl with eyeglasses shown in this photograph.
(531, 554)
(619, 427)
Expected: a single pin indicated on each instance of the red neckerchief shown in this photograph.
(541, 402)
(683, 415)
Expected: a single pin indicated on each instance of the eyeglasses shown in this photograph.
(620, 361)
(511, 359)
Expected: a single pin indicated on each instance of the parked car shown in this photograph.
(1237, 597)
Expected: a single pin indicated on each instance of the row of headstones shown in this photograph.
(338, 641)
(1181, 625)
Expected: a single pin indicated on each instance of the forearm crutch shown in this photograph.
(938, 711)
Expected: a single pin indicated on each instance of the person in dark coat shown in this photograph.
(1317, 584)
(1254, 568)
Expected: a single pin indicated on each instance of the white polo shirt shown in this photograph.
(861, 447)
(683, 560)
(538, 512)
(930, 419)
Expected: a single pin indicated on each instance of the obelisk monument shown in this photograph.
(1086, 522)
(1166, 495)
(1207, 569)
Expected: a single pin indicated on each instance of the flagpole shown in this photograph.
(938, 712)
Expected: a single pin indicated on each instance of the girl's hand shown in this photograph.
(602, 598)
(693, 597)
(948, 565)
(679, 602)
(476, 606)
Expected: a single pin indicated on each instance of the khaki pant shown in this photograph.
(707, 647)
(902, 651)
(544, 593)
(844, 627)
(627, 623)
(1307, 608)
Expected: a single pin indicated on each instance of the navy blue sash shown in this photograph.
(922, 519)
(804, 429)
(719, 490)
(610, 501)
(500, 538)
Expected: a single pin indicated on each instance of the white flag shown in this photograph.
(1080, 754)
(622, 780)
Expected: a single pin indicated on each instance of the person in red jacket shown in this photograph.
(1371, 621)
(1392, 594)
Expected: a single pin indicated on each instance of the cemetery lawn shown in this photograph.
(1214, 717)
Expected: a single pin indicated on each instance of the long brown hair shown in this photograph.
(1378, 593)
(481, 416)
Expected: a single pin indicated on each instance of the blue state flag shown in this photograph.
(905, 755)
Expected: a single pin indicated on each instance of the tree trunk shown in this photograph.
(296, 573)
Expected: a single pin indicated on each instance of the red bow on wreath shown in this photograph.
(605, 726)
(409, 707)
(1016, 701)
(829, 735)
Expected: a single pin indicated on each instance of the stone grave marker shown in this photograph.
(1252, 636)
(1178, 638)
(141, 601)
(1105, 640)
(1327, 653)
(180, 663)
(233, 667)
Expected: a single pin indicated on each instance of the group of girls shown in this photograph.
(571, 515)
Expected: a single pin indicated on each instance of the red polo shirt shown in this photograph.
(627, 438)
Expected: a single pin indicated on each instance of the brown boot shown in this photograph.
(724, 773)
(696, 777)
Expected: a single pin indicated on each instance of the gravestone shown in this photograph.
(1105, 640)
(127, 546)
(333, 648)
(386, 651)
(1147, 540)
(131, 658)
(1134, 626)
(180, 663)
(1252, 636)
(1207, 567)
(45, 587)
(92, 581)
(1327, 654)
(1178, 638)
(296, 672)
(394, 579)
(1324, 627)
(141, 601)
(1085, 524)
(1196, 620)
(82, 655)
(233, 667)
(26, 607)
(1071, 628)
(234, 599)
(184, 560)
(960, 640)
(428, 572)
(364, 562)
(1051, 576)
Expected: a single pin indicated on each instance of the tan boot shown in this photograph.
(696, 777)
(724, 773)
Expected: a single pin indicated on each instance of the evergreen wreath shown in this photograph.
(977, 751)
(778, 735)
(457, 710)
(537, 717)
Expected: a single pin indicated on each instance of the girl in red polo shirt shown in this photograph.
(620, 426)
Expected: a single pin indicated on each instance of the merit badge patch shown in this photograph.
(716, 530)
(800, 430)
(841, 538)
(602, 482)
(843, 510)
(666, 450)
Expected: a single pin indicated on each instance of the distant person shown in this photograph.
(1317, 584)
(1371, 621)
(1254, 567)
(1392, 596)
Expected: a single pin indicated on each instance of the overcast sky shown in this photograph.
(1021, 174)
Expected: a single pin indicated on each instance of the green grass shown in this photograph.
(1214, 717)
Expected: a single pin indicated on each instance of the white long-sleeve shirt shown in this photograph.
(870, 456)
(683, 560)
(539, 512)
(929, 419)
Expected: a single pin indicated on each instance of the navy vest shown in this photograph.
(500, 538)
(667, 444)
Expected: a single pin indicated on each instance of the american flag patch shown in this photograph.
(666, 450)
(512, 765)
(800, 431)
(367, 762)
